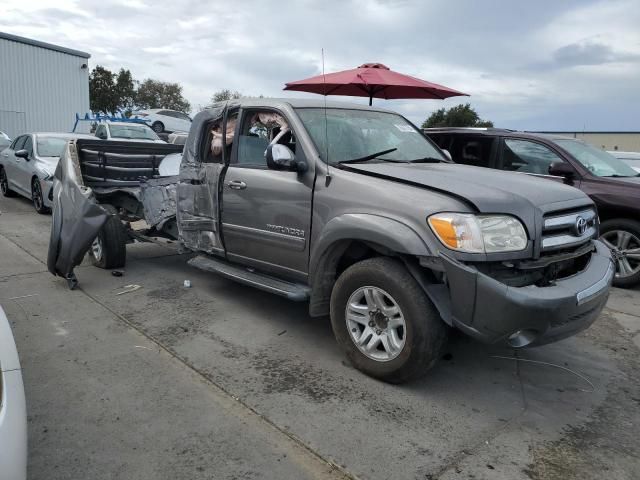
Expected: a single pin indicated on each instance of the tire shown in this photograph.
(157, 127)
(4, 184)
(109, 249)
(418, 344)
(622, 236)
(37, 198)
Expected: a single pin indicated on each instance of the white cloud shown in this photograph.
(539, 65)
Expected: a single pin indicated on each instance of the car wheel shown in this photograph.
(4, 184)
(384, 321)
(109, 249)
(158, 127)
(37, 198)
(622, 236)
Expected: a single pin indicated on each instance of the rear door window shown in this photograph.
(472, 150)
(526, 156)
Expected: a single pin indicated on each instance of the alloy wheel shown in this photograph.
(375, 323)
(96, 249)
(625, 249)
(4, 183)
(36, 194)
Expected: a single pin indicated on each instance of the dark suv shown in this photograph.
(611, 184)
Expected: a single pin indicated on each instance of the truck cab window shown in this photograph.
(214, 153)
(258, 130)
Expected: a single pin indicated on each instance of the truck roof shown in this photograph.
(302, 103)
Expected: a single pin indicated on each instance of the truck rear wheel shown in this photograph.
(384, 321)
(109, 249)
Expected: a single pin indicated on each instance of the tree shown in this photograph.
(102, 98)
(458, 116)
(225, 94)
(110, 93)
(125, 90)
(156, 94)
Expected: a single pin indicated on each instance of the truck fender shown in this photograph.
(383, 232)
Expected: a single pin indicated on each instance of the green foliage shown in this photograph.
(110, 93)
(458, 116)
(102, 94)
(225, 94)
(156, 94)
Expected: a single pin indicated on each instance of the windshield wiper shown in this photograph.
(427, 160)
(615, 175)
(374, 155)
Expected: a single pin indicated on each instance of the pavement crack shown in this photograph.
(338, 469)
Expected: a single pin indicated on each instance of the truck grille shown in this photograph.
(562, 230)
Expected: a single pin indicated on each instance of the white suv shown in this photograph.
(163, 120)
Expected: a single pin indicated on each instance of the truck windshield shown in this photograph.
(598, 162)
(355, 134)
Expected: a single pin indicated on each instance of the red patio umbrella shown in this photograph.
(372, 80)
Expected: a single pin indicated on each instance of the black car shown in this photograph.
(613, 185)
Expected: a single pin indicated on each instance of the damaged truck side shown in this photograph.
(353, 210)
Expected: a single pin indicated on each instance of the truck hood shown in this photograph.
(487, 190)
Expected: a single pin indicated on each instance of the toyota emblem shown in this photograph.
(581, 226)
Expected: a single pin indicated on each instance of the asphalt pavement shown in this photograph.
(223, 381)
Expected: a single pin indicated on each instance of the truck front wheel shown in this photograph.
(109, 249)
(384, 321)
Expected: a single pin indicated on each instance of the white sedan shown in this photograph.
(28, 164)
(13, 410)
(163, 120)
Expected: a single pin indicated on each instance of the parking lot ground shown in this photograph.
(224, 381)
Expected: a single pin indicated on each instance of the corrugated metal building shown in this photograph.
(42, 86)
(622, 141)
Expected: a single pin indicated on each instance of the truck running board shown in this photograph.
(292, 291)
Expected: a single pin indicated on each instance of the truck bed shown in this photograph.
(108, 164)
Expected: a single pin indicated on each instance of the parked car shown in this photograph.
(630, 158)
(164, 120)
(27, 166)
(13, 410)
(126, 132)
(5, 140)
(613, 185)
(355, 211)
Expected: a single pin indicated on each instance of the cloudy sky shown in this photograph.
(543, 65)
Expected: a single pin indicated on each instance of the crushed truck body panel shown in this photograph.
(76, 218)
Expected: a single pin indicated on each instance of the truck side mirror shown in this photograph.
(447, 154)
(280, 157)
(22, 154)
(561, 169)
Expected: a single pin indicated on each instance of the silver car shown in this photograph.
(13, 411)
(28, 164)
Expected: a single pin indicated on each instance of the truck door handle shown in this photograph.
(237, 185)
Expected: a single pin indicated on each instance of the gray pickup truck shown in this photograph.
(353, 210)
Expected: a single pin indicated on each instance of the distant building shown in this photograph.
(42, 86)
(622, 141)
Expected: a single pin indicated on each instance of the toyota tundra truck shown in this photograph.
(353, 210)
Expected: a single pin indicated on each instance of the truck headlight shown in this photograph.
(470, 233)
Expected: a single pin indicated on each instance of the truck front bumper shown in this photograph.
(493, 312)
